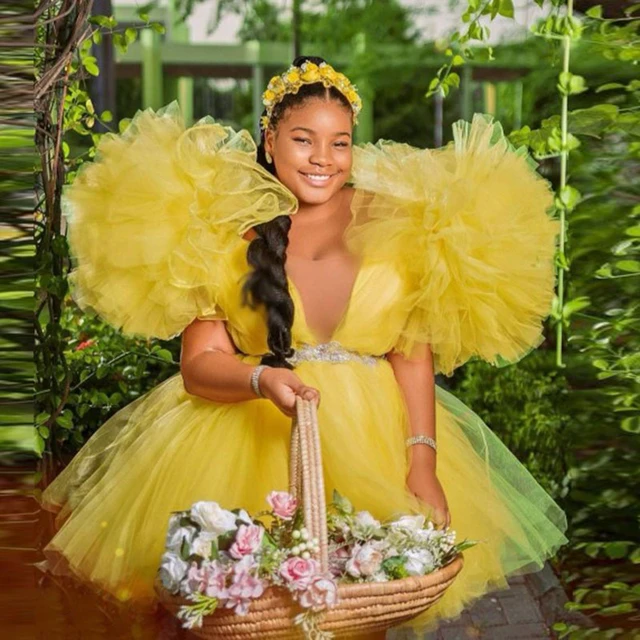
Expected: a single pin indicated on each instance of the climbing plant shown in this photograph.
(592, 144)
(65, 137)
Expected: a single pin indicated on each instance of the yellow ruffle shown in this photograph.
(470, 225)
(152, 220)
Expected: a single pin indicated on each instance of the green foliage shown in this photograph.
(109, 370)
(69, 406)
(523, 404)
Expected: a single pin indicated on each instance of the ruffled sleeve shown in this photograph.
(470, 224)
(153, 218)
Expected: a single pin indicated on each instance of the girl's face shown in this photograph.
(311, 149)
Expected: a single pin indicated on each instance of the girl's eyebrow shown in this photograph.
(311, 131)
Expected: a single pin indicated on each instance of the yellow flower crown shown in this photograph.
(307, 73)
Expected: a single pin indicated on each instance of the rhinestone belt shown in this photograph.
(330, 352)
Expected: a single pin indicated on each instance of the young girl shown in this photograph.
(308, 267)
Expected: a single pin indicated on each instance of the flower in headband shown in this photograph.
(308, 73)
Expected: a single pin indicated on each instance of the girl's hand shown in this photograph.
(424, 484)
(281, 386)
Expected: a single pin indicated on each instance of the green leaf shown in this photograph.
(600, 364)
(572, 306)
(608, 86)
(616, 550)
(632, 266)
(394, 567)
(89, 63)
(106, 116)
(342, 504)
(633, 231)
(631, 424)
(506, 8)
(623, 607)
(595, 12)
(569, 196)
(65, 419)
(164, 354)
(107, 22)
(130, 35)
(157, 27)
(39, 445)
(453, 79)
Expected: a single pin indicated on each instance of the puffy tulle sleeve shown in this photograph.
(470, 224)
(152, 219)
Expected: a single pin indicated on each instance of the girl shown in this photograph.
(308, 266)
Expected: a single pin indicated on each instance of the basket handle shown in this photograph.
(306, 481)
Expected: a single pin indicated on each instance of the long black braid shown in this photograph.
(267, 283)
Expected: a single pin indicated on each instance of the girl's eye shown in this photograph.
(342, 144)
(302, 140)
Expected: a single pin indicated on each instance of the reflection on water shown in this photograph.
(38, 606)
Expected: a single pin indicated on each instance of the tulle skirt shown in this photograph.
(168, 449)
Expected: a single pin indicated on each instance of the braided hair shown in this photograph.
(267, 283)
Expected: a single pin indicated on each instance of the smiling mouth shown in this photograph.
(317, 179)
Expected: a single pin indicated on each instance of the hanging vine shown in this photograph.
(61, 26)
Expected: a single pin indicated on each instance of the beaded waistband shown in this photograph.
(330, 352)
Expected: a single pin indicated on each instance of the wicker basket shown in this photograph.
(361, 607)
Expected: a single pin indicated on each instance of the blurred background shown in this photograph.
(562, 78)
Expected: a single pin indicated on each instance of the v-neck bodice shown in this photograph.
(323, 287)
(370, 323)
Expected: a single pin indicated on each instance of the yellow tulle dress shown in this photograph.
(456, 248)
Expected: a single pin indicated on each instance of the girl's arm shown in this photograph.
(209, 366)
(416, 379)
(211, 369)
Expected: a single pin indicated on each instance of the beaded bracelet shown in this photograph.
(255, 379)
(420, 439)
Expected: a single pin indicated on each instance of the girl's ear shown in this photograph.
(269, 139)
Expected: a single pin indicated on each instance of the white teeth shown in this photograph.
(315, 177)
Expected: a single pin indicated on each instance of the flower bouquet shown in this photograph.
(301, 567)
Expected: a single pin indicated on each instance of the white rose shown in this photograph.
(213, 518)
(176, 536)
(172, 570)
(412, 523)
(244, 517)
(365, 519)
(380, 576)
(201, 544)
(419, 562)
(365, 561)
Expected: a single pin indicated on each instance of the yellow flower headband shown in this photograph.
(307, 73)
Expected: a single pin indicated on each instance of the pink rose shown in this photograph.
(196, 579)
(298, 571)
(216, 577)
(338, 559)
(248, 540)
(283, 504)
(244, 587)
(322, 592)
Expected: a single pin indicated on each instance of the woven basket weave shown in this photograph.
(361, 607)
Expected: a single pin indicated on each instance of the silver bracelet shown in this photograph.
(255, 379)
(422, 440)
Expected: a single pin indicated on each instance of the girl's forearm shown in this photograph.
(218, 376)
(416, 379)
